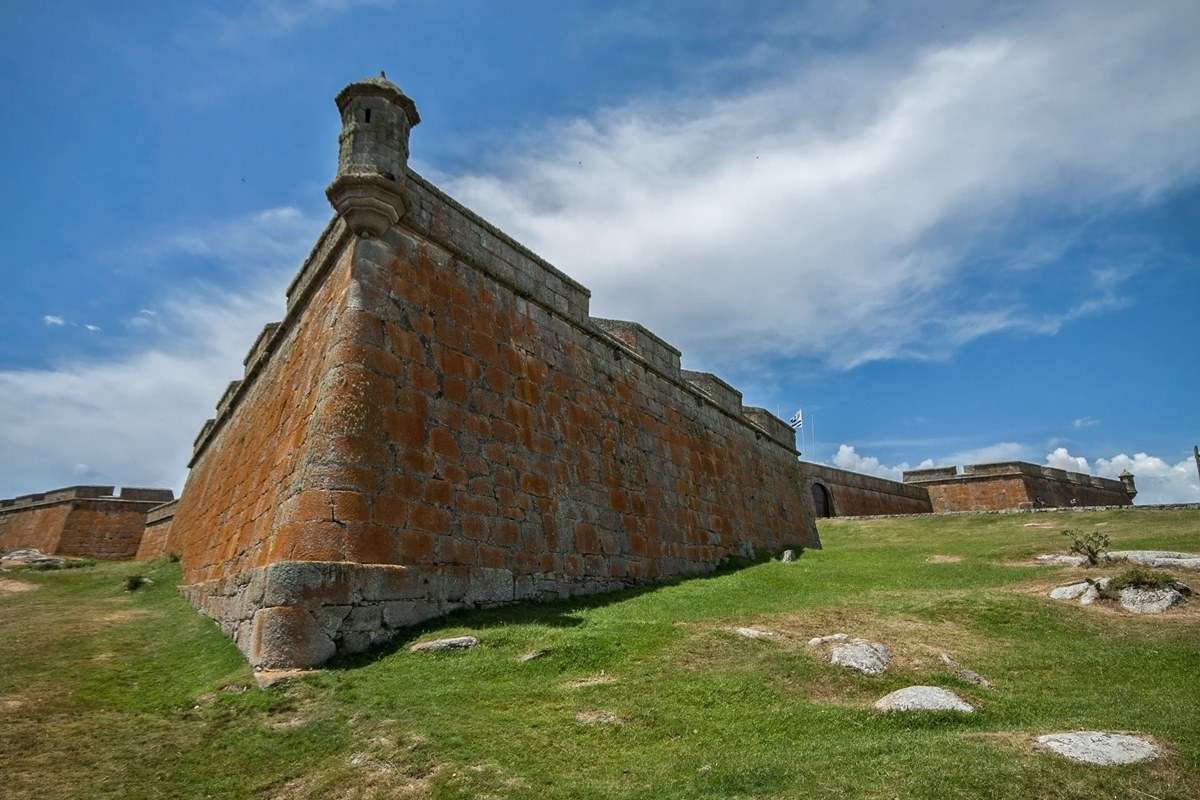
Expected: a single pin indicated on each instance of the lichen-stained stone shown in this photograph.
(1071, 591)
(437, 423)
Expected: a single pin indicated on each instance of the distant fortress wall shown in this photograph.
(1017, 485)
(79, 520)
(840, 493)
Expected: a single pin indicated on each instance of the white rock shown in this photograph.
(1100, 747)
(869, 658)
(1061, 558)
(443, 645)
(788, 556)
(923, 698)
(1158, 558)
(1090, 596)
(817, 641)
(1149, 601)
(1070, 591)
(753, 633)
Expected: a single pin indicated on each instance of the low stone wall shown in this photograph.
(841, 493)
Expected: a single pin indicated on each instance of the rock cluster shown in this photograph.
(869, 658)
(1132, 598)
(1085, 592)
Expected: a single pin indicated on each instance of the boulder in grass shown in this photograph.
(1071, 591)
(445, 645)
(1149, 601)
(869, 658)
(1100, 747)
(923, 698)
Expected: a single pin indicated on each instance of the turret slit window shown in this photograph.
(367, 115)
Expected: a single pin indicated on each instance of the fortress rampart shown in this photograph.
(79, 520)
(1018, 485)
(156, 538)
(438, 423)
(840, 493)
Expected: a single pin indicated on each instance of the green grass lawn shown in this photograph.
(108, 693)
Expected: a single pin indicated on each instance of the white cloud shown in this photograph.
(93, 328)
(130, 419)
(836, 213)
(1158, 481)
(846, 458)
(51, 320)
(1085, 422)
(991, 454)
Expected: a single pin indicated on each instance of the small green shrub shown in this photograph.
(135, 582)
(1137, 578)
(173, 558)
(1092, 546)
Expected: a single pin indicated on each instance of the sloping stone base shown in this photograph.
(296, 614)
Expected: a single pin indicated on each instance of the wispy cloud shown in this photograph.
(258, 19)
(1085, 422)
(130, 418)
(53, 320)
(837, 213)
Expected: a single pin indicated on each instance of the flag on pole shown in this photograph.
(797, 420)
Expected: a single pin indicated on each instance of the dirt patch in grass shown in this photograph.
(915, 643)
(8, 586)
(11, 702)
(939, 559)
(596, 717)
(123, 616)
(382, 765)
(592, 680)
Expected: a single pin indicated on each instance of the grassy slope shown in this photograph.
(105, 693)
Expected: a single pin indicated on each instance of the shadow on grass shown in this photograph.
(561, 613)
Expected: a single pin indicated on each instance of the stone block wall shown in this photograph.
(438, 423)
(851, 494)
(156, 537)
(79, 521)
(1017, 485)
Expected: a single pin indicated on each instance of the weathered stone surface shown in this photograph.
(1061, 559)
(964, 674)
(1149, 601)
(788, 556)
(1071, 591)
(869, 658)
(31, 556)
(923, 698)
(1017, 485)
(438, 423)
(817, 641)
(1100, 747)
(445, 645)
(754, 633)
(1163, 559)
(288, 636)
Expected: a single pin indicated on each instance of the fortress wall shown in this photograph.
(443, 426)
(854, 495)
(1016, 485)
(156, 538)
(78, 521)
(103, 529)
(38, 527)
(240, 506)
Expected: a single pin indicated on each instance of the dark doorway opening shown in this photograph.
(822, 502)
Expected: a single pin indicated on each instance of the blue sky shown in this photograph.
(951, 232)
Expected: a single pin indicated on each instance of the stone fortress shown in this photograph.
(438, 423)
